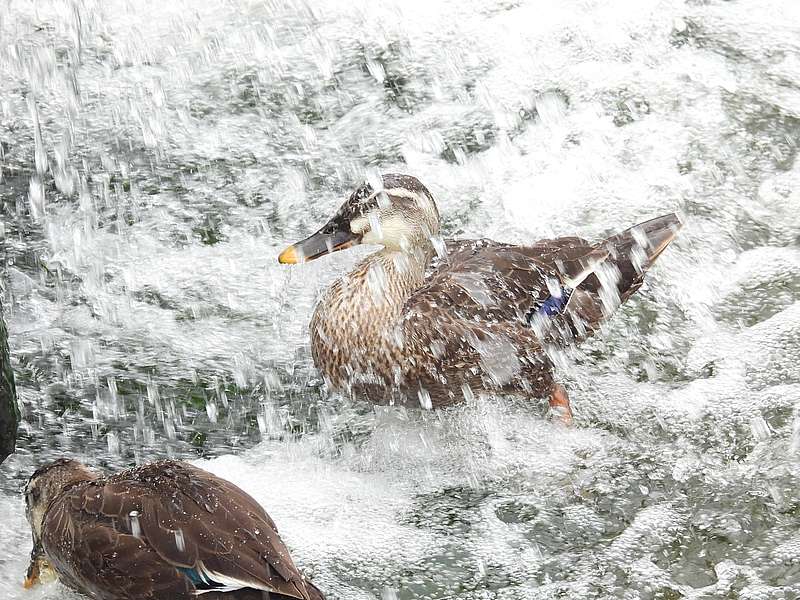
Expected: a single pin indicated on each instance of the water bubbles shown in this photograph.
(153, 395)
(795, 440)
(40, 155)
(114, 399)
(777, 495)
(376, 70)
(376, 279)
(477, 287)
(374, 178)
(180, 542)
(375, 224)
(424, 399)
(169, 429)
(36, 198)
(112, 440)
(82, 354)
(608, 275)
(439, 246)
(498, 357)
(759, 428)
(261, 419)
(136, 529)
(467, 392)
(211, 409)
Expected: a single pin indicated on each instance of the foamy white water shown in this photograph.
(156, 157)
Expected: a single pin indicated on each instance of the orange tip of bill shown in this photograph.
(289, 256)
(30, 582)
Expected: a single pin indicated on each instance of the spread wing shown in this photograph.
(167, 530)
(470, 322)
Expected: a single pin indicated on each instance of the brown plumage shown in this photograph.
(163, 531)
(435, 321)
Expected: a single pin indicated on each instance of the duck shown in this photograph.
(166, 530)
(439, 321)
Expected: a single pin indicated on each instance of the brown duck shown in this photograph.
(163, 531)
(437, 321)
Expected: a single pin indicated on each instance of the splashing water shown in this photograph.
(156, 156)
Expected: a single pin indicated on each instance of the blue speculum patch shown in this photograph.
(196, 578)
(553, 304)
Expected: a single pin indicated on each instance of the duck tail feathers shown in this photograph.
(613, 271)
(635, 250)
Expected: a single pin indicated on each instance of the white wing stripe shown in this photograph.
(228, 584)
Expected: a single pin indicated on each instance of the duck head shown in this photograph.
(402, 216)
(42, 488)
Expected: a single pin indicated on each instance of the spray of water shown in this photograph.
(156, 156)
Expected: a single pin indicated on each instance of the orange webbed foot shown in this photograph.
(559, 404)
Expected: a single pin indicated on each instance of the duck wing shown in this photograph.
(486, 309)
(167, 530)
(467, 326)
(489, 281)
(573, 283)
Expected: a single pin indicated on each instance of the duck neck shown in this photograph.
(384, 280)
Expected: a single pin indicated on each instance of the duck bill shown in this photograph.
(34, 572)
(325, 241)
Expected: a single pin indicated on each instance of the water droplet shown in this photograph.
(136, 529)
(425, 399)
(180, 543)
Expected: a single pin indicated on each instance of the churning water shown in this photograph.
(156, 156)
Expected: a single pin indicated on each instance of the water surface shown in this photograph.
(156, 156)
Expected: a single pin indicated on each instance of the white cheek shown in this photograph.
(395, 231)
(389, 232)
